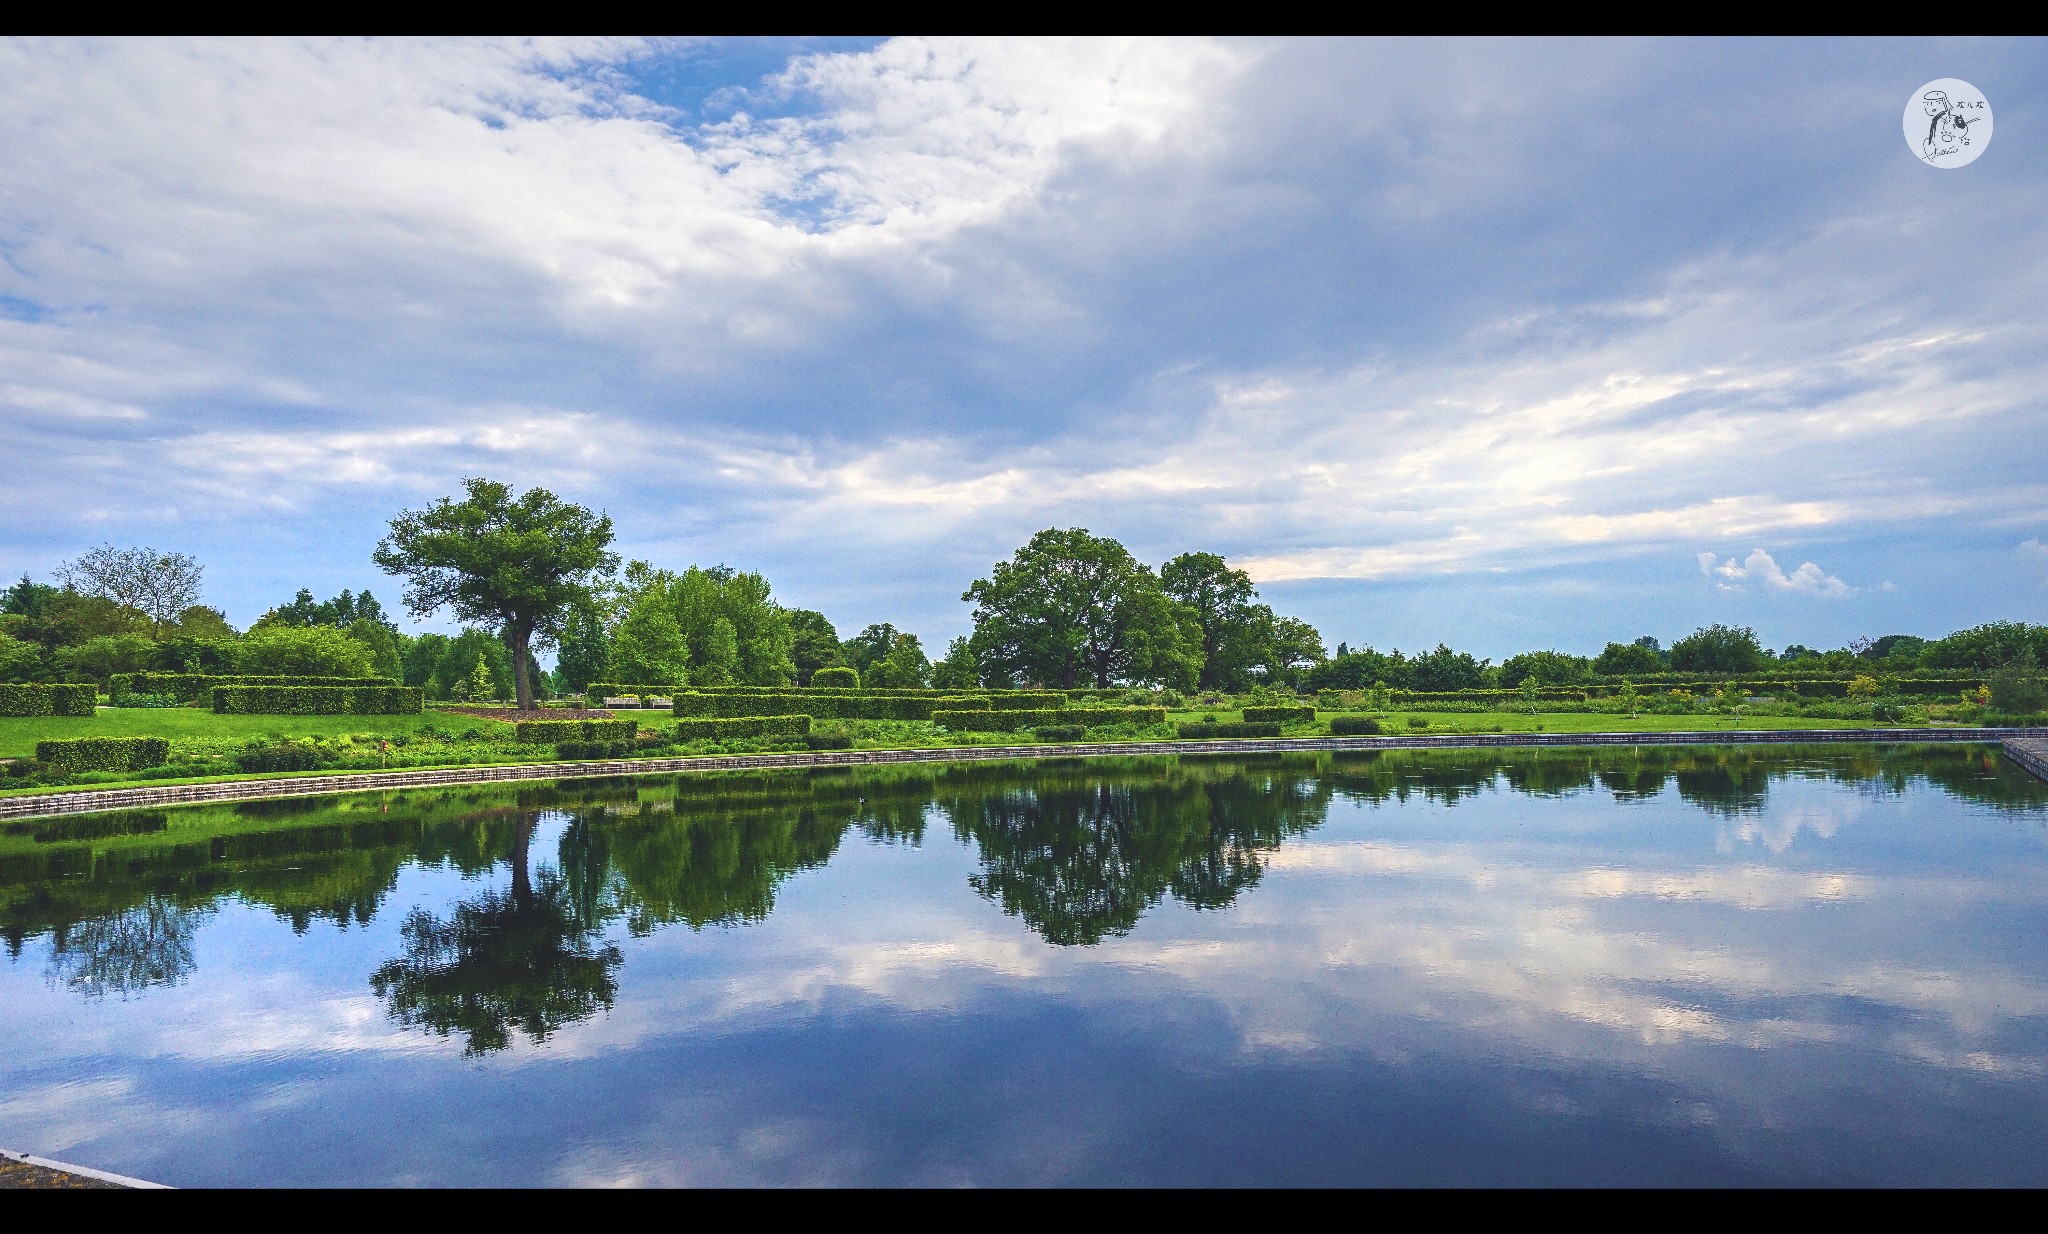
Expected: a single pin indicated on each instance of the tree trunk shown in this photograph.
(522, 882)
(519, 639)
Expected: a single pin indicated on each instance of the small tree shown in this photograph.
(516, 563)
(1529, 688)
(479, 687)
(159, 584)
(1630, 698)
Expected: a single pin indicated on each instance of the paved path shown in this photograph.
(87, 801)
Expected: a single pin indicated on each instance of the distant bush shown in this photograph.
(1354, 726)
(1418, 721)
(1060, 732)
(828, 741)
(573, 751)
(726, 727)
(104, 753)
(1279, 715)
(837, 677)
(48, 700)
(1192, 732)
(282, 756)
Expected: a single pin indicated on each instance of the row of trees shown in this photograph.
(530, 571)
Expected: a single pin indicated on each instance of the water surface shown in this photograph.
(1671, 965)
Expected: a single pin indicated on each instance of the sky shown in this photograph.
(1505, 344)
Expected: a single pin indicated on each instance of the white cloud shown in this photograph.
(1760, 568)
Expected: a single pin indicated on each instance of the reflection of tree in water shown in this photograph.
(149, 944)
(1080, 857)
(527, 960)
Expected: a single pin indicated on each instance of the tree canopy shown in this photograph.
(517, 563)
(1072, 608)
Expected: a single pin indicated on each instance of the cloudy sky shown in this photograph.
(1509, 344)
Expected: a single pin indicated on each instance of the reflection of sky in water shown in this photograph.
(1814, 980)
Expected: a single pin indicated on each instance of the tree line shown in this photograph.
(530, 572)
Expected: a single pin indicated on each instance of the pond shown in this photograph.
(1667, 965)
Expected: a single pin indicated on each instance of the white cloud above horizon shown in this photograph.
(1444, 315)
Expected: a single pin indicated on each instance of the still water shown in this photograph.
(1775, 965)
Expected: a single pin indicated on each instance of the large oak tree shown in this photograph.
(1071, 608)
(516, 563)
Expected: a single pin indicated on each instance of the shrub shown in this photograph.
(323, 651)
(1060, 732)
(828, 741)
(198, 687)
(1418, 721)
(296, 700)
(1191, 732)
(48, 700)
(2016, 685)
(543, 732)
(1010, 721)
(284, 756)
(147, 700)
(1036, 701)
(104, 753)
(1279, 715)
(1354, 726)
(725, 727)
(837, 677)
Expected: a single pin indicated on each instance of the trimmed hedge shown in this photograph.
(821, 706)
(837, 677)
(828, 741)
(543, 732)
(68, 699)
(725, 727)
(1035, 700)
(105, 753)
(1191, 732)
(287, 756)
(964, 721)
(1354, 726)
(614, 689)
(1059, 732)
(1279, 715)
(194, 687)
(572, 751)
(318, 700)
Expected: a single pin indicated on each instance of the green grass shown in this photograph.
(19, 734)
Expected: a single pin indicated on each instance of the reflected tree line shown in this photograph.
(1078, 851)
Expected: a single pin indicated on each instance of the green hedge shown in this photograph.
(318, 700)
(196, 687)
(1059, 732)
(1190, 732)
(105, 753)
(828, 741)
(883, 692)
(572, 751)
(613, 689)
(1035, 700)
(964, 721)
(283, 756)
(822, 706)
(1354, 726)
(837, 677)
(545, 732)
(1279, 715)
(725, 727)
(68, 699)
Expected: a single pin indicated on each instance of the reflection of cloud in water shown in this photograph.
(1781, 826)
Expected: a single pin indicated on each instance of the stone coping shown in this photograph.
(89, 801)
(2030, 753)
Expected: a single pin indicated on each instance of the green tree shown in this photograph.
(1718, 649)
(584, 649)
(421, 657)
(1550, 668)
(158, 585)
(1071, 607)
(1630, 698)
(1617, 659)
(477, 688)
(868, 648)
(649, 647)
(959, 670)
(518, 563)
(719, 662)
(1530, 687)
(1292, 647)
(1444, 669)
(301, 651)
(904, 668)
(381, 641)
(814, 643)
(459, 656)
(710, 626)
(20, 660)
(100, 658)
(1237, 630)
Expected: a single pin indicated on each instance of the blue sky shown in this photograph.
(1510, 344)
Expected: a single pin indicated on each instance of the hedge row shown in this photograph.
(836, 677)
(571, 751)
(965, 721)
(1279, 715)
(544, 732)
(726, 727)
(318, 700)
(828, 741)
(822, 706)
(48, 700)
(1228, 728)
(192, 687)
(1353, 726)
(614, 689)
(1059, 732)
(105, 753)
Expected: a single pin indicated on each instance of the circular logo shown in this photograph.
(1948, 123)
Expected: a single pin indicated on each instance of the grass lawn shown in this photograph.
(19, 734)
